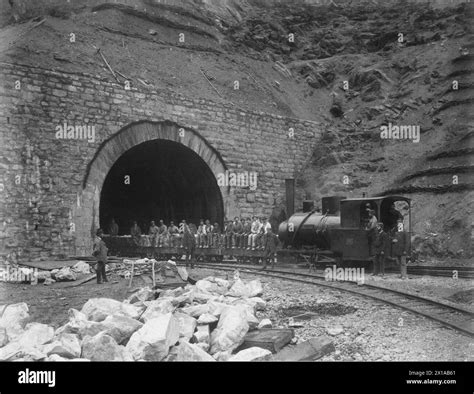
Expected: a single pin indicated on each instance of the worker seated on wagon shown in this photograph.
(208, 235)
(238, 231)
(174, 235)
(201, 233)
(216, 236)
(228, 233)
(247, 225)
(266, 226)
(136, 233)
(162, 233)
(255, 230)
(153, 233)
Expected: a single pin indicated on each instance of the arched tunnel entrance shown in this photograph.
(159, 179)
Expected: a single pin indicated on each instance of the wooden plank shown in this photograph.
(272, 339)
(310, 350)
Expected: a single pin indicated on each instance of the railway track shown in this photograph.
(457, 318)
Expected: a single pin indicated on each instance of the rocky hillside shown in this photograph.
(354, 67)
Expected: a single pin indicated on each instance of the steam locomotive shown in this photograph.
(338, 232)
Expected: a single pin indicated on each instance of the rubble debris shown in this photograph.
(65, 274)
(190, 352)
(102, 347)
(81, 267)
(312, 349)
(13, 318)
(97, 309)
(153, 341)
(157, 308)
(230, 330)
(207, 321)
(202, 334)
(121, 328)
(66, 346)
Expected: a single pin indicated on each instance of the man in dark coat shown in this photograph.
(270, 243)
(381, 247)
(100, 253)
(189, 245)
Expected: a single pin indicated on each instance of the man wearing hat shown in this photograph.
(100, 253)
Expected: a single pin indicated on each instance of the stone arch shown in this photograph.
(86, 213)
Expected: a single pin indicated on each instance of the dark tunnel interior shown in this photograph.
(167, 181)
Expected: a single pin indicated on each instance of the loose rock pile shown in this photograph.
(202, 322)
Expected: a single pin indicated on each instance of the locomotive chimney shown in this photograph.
(290, 197)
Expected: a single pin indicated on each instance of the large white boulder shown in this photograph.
(153, 340)
(65, 274)
(255, 288)
(15, 350)
(239, 289)
(36, 334)
(202, 334)
(215, 308)
(102, 347)
(252, 354)
(97, 309)
(230, 330)
(191, 352)
(157, 308)
(28, 345)
(252, 321)
(79, 325)
(120, 327)
(207, 318)
(66, 345)
(13, 319)
(186, 323)
(81, 267)
(196, 310)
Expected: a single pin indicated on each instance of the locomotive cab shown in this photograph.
(351, 240)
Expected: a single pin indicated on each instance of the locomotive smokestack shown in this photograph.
(290, 197)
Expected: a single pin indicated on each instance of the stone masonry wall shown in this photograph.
(41, 177)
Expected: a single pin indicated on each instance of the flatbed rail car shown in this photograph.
(125, 246)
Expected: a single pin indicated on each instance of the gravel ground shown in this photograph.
(370, 331)
(363, 329)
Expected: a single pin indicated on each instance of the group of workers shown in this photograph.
(386, 240)
(244, 233)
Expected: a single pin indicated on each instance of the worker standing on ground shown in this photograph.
(270, 243)
(381, 250)
(189, 245)
(100, 253)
